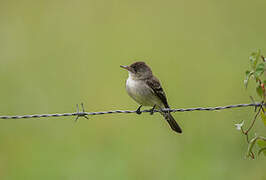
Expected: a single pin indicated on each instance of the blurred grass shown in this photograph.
(55, 54)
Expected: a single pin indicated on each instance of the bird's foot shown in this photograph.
(152, 110)
(138, 110)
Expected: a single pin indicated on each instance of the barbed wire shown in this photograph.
(85, 114)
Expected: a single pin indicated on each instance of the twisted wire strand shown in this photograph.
(84, 114)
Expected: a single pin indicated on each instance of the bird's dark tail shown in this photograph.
(171, 121)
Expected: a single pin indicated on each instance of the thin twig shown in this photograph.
(253, 122)
(243, 132)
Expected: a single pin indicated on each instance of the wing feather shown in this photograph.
(155, 85)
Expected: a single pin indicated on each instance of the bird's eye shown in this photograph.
(134, 68)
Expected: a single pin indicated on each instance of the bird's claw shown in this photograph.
(138, 110)
(152, 110)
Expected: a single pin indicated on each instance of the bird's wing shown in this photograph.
(155, 85)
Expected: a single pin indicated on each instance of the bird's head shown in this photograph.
(138, 70)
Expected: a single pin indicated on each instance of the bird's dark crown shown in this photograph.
(140, 67)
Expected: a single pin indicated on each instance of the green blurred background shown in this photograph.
(55, 54)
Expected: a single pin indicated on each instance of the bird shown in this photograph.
(146, 90)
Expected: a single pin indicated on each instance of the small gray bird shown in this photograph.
(146, 90)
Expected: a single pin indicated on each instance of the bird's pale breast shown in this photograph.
(141, 92)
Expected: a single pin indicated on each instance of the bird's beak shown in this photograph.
(125, 67)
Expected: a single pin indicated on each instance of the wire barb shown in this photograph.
(84, 114)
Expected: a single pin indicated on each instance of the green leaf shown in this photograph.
(251, 145)
(262, 150)
(259, 70)
(263, 116)
(262, 144)
(254, 58)
(259, 91)
(248, 74)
